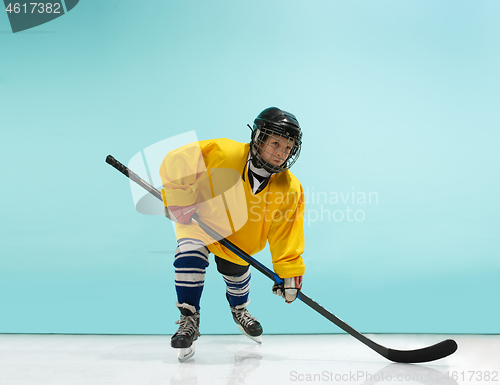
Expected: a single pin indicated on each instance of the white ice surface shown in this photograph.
(235, 359)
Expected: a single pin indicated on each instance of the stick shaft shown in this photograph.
(430, 353)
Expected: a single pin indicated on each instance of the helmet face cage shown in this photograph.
(262, 149)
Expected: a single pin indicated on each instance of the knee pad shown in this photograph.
(229, 268)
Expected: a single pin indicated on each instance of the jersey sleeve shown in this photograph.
(179, 171)
(286, 236)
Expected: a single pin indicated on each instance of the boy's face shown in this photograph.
(276, 149)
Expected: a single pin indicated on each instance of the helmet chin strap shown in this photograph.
(257, 169)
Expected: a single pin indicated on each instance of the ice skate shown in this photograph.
(188, 332)
(246, 323)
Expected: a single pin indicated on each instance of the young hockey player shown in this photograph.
(264, 204)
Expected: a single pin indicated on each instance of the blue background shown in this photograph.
(395, 97)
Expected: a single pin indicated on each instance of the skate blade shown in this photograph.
(185, 354)
(257, 339)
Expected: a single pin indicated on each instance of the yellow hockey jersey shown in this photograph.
(213, 174)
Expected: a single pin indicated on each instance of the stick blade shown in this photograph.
(430, 353)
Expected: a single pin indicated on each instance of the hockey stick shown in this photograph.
(430, 353)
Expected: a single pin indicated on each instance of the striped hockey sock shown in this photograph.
(191, 261)
(238, 288)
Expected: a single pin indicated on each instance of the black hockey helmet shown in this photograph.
(273, 121)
